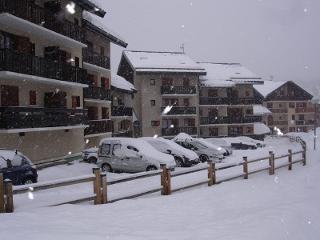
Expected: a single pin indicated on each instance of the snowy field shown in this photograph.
(283, 206)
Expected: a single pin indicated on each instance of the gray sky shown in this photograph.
(279, 38)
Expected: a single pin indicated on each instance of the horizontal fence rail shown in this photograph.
(101, 184)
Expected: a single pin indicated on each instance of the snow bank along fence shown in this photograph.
(100, 183)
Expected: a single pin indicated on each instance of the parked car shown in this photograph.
(90, 155)
(183, 157)
(17, 167)
(258, 143)
(222, 143)
(205, 150)
(240, 144)
(131, 155)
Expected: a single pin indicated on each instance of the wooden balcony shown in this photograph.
(181, 111)
(41, 67)
(176, 130)
(176, 90)
(96, 59)
(97, 93)
(229, 120)
(228, 101)
(44, 17)
(98, 127)
(36, 117)
(121, 111)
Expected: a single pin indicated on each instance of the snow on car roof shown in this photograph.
(121, 83)
(7, 154)
(162, 61)
(226, 74)
(181, 137)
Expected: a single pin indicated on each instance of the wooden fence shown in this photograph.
(100, 183)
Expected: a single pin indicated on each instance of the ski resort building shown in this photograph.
(290, 104)
(228, 102)
(166, 102)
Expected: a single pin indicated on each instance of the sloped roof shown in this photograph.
(268, 87)
(96, 23)
(149, 61)
(226, 74)
(120, 83)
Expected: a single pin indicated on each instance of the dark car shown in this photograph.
(17, 167)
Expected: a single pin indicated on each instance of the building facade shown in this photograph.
(229, 104)
(166, 102)
(291, 106)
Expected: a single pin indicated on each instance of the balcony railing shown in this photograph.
(304, 122)
(33, 13)
(228, 101)
(121, 111)
(98, 93)
(176, 130)
(35, 117)
(305, 110)
(98, 126)
(229, 120)
(181, 111)
(178, 90)
(279, 110)
(96, 59)
(41, 67)
(278, 123)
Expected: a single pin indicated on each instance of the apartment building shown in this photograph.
(122, 107)
(290, 104)
(42, 76)
(96, 60)
(229, 104)
(166, 102)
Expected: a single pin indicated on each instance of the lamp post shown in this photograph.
(315, 101)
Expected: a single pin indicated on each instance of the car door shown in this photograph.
(118, 157)
(132, 161)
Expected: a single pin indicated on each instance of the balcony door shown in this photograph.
(93, 113)
(9, 96)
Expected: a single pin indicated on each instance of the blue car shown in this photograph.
(17, 167)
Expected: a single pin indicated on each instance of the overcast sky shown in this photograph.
(279, 38)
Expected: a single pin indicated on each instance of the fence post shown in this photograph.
(9, 196)
(210, 173)
(165, 180)
(97, 185)
(271, 163)
(304, 155)
(290, 159)
(1, 194)
(104, 188)
(245, 168)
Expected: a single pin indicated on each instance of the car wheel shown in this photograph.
(106, 168)
(179, 162)
(151, 168)
(204, 158)
(28, 181)
(92, 160)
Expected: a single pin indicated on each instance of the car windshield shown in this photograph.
(199, 145)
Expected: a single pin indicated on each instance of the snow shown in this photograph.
(226, 74)
(120, 83)
(95, 20)
(259, 110)
(260, 128)
(283, 206)
(268, 87)
(181, 137)
(162, 61)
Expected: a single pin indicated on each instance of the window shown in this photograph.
(32, 97)
(213, 93)
(105, 113)
(293, 117)
(76, 61)
(270, 105)
(76, 21)
(116, 147)
(171, 102)
(92, 80)
(9, 96)
(75, 101)
(189, 122)
(152, 82)
(249, 111)
(199, 145)
(167, 81)
(153, 103)
(186, 102)
(249, 130)
(155, 123)
(301, 117)
(132, 148)
(105, 83)
(17, 160)
(105, 149)
(291, 105)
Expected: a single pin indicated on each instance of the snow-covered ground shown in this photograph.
(283, 206)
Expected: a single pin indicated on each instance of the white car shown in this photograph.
(90, 155)
(182, 156)
(131, 155)
(222, 143)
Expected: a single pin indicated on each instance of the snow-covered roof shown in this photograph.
(259, 110)
(260, 128)
(148, 61)
(120, 83)
(268, 87)
(103, 29)
(226, 74)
